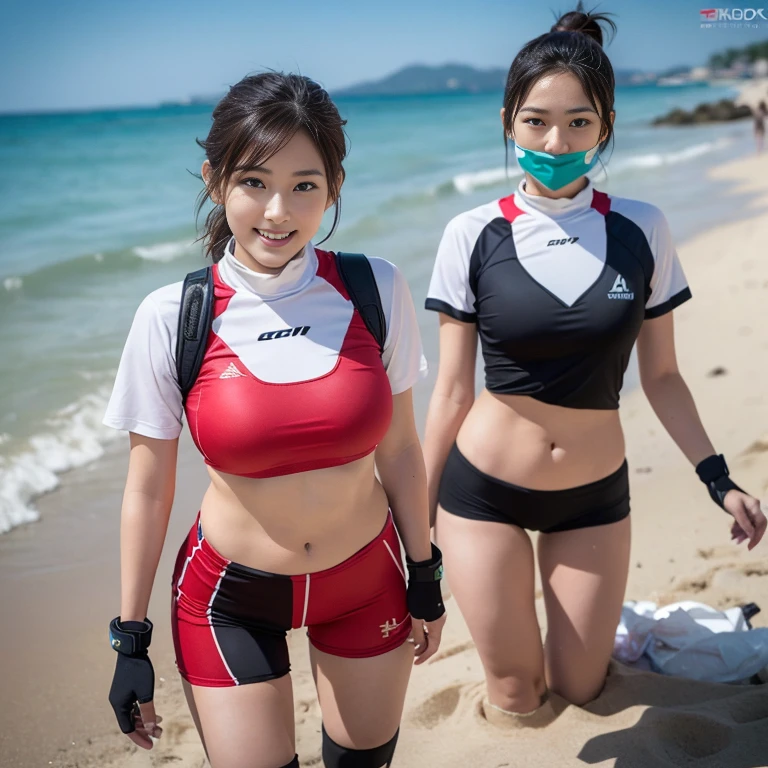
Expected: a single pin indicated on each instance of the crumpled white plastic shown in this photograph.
(692, 640)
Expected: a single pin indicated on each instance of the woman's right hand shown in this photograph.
(426, 636)
(131, 697)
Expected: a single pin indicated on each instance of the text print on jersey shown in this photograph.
(299, 330)
(563, 241)
(620, 290)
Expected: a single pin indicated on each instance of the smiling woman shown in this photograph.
(294, 407)
(263, 142)
(285, 196)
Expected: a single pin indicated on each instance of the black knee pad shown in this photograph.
(293, 764)
(336, 756)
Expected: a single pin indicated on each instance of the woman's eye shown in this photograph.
(580, 122)
(305, 186)
(254, 183)
(535, 121)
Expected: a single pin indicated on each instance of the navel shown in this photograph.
(307, 547)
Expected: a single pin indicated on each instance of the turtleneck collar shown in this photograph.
(562, 206)
(296, 274)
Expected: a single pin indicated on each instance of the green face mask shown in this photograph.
(555, 171)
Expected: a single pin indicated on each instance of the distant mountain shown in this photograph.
(460, 78)
(419, 78)
(634, 77)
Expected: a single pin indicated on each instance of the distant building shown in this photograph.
(760, 68)
(642, 78)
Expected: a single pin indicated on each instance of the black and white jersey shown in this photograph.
(558, 289)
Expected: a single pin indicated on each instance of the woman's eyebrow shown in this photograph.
(540, 111)
(253, 168)
(262, 169)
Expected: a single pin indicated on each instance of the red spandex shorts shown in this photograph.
(230, 621)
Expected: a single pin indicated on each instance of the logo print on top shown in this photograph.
(620, 290)
(231, 372)
(299, 330)
(563, 241)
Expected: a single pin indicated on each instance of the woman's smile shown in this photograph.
(274, 239)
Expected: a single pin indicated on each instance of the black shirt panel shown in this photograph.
(533, 344)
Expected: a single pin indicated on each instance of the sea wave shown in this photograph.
(73, 437)
(109, 262)
(465, 183)
(654, 160)
(164, 251)
(12, 283)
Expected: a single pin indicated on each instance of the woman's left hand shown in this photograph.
(750, 521)
(425, 636)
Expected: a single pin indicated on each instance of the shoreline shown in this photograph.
(680, 550)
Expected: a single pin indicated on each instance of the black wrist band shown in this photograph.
(130, 637)
(713, 472)
(712, 468)
(426, 570)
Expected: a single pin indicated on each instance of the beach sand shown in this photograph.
(54, 708)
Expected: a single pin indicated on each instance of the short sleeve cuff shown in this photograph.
(141, 428)
(669, 304)
(403, 385)
(437, 305)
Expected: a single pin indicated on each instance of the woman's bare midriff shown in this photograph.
(298, 523)
(536, 445)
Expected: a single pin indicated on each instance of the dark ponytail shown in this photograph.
(586, 22)
(574, 44)
(256, 119)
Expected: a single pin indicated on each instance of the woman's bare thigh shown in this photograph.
(490, 570)
(362, 699)
(584, 577)
(245, 726)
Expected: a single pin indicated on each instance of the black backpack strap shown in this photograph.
(358, 278)
(195, 320)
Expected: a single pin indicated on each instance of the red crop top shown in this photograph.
(291, 379)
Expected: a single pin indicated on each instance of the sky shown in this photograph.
(82, 54)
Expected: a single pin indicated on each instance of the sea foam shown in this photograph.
(72, 438)
(163, 251)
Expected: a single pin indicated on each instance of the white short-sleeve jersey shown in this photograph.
(297, 342)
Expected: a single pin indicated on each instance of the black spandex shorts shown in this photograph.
(467, 492)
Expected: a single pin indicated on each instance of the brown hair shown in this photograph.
(257, 118)
(574, 44)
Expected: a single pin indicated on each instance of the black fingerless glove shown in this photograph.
(425, 600)
(134, 678)
(713, 472)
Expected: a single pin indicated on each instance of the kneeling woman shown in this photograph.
(294, 530)
(558, 280)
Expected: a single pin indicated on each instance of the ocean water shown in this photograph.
(99, 211)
